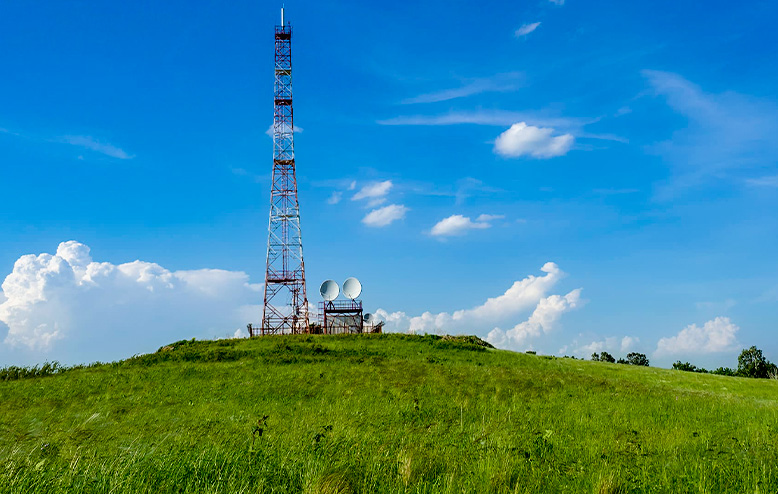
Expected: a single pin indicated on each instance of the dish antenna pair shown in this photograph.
(351, 289)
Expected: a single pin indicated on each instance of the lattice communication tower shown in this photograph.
(286, 301)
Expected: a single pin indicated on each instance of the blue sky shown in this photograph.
(448, 151)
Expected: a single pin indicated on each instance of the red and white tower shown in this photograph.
(286, 301)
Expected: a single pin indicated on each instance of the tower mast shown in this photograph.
(286, 301)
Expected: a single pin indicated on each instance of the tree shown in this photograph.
(607, 357)
(724, 371)
(595, 357)
(752, 363)
(637, 359)
(686, 366)
(622, 361)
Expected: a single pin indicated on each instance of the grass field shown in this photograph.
(383, 413)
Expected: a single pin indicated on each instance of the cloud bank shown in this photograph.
(70, 308)
(716, 335)
(530, 293)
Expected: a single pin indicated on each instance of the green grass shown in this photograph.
(383, 413)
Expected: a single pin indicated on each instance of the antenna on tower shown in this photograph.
(282, 14)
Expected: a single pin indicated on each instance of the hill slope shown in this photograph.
(383, 413)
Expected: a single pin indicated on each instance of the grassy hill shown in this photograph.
(383, 413)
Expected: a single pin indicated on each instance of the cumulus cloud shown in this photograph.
(97, 146)
(525, 29)
(68, 307)
(530, 293)
(374, 192)
(457, 224)
(385, 215)
(526, 140)
(716, 335)
(542, 320)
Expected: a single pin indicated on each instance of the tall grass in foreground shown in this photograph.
(383, 413)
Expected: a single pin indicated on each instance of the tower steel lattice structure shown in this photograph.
(286, 301)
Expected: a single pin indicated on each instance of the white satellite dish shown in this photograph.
(368, 318)
(352, 288)
(329, 290)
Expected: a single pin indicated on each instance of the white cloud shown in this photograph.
(717, 335)
(67, 307)
(499, 84)
(557, 2)
(457, 224)
(596, 346)
(99, 147)
(375, 193)
(335, 197)
(385, 215)
(628, 343)
(523, 295)
(542, 320)
(526, 140)
(611, 344)
(525, 29)
(352, 185)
